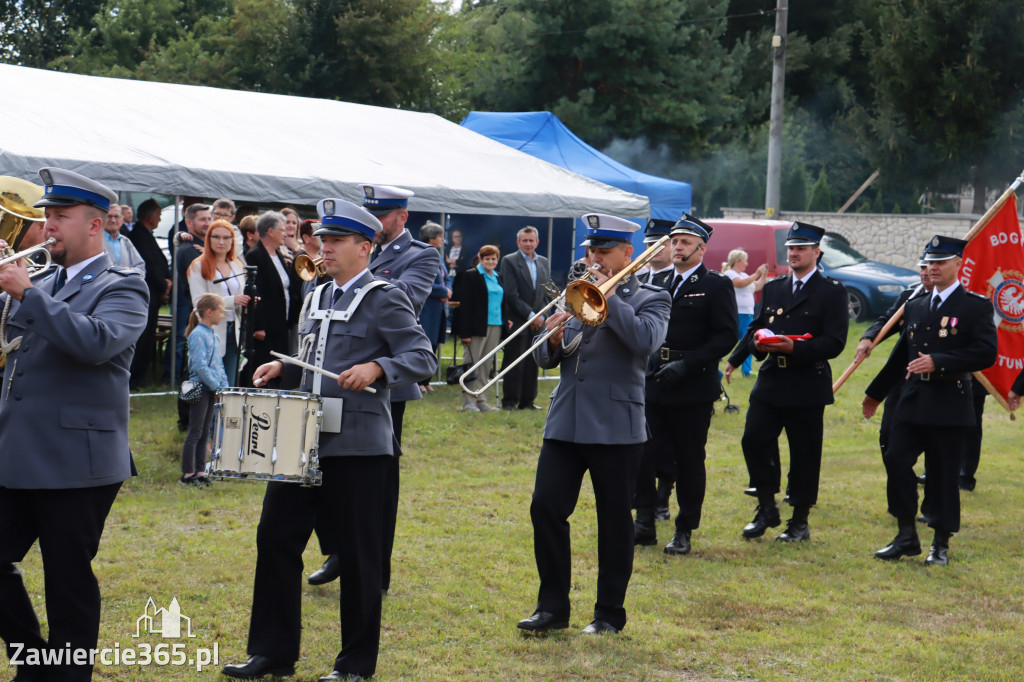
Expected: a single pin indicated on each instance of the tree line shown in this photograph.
(928, 92)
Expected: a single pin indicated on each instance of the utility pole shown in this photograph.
(774, 182)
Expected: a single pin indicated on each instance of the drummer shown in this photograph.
(365, 330)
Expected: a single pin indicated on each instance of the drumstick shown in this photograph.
(312, 368)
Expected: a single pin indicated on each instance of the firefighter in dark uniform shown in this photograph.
(946, 337)
(683, 384)
(660, 275)
(794, 384)
(864, 349)
(1013, 397)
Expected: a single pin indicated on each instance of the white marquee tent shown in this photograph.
(187, 140)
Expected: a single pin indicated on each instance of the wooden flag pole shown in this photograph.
(971, 234)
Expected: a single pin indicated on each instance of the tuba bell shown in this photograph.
(17, 214)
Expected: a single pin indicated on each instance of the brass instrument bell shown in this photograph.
(309, 268)
(17, 214)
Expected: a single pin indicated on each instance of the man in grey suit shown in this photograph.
(365, 330)
(118, 247)
(523, 275)
(64, 422)
(596, 422)
(411, 266)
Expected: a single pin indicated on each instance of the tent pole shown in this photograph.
(551, 237)
(172, 343)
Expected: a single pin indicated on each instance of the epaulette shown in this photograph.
(123, 271)
(778, 277)
(652, 287)
(974, 293)
(835, 282)
(422, 245)
(716, 273)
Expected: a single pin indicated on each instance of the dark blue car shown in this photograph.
(871, 286)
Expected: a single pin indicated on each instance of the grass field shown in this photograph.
(464, 571)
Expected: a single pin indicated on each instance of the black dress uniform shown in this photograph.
(889, 407)
(682, 386)
(934, 409)
(792, 390)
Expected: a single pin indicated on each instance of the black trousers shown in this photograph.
(391, 494)
(804, 431)
(68, 524)
(519, 387)
(683, 431)
(352, 495)
(145, 348)
(943, 447)
(324, 531)
(972, 448)
(560, 470)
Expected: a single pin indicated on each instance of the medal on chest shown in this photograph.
(943, 332)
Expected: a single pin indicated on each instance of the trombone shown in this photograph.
(586, 301)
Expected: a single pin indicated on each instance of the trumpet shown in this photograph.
(8, 256)
(309, 268)
(586, 301)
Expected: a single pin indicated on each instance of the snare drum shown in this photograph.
(266, 435)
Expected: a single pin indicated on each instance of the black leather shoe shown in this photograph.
(795, 532)
(921, 518)
(921, 479)
(905, 543)
(662, 513)
(327, 573)
(767, 516)
(542, 621)
(967, 484)
(644, 531)
(337, 675)
(600, 627)
(938, 556)
(680, 544)
(750, 491)
(258, 667)
(531, 406)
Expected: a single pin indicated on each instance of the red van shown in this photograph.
(763, 240)
(871, 287)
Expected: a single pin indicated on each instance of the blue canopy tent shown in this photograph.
(541, 134)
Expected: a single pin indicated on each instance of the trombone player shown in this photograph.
(595, 422)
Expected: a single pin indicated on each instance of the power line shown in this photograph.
(760, 13)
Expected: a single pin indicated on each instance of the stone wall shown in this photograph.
(896, 239)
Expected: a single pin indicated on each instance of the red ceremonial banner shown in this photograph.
(993, 266)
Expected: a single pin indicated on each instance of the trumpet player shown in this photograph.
(64, 423)
(596, 422)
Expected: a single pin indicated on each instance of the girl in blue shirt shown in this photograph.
(205, 365)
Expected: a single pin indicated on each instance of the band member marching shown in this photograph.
(365, 330)
(596, 422)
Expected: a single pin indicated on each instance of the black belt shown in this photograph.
(666, 354)
(942, 377)
(782, 361)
